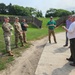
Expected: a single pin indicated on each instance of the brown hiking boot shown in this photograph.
(25, 41)
(16, 46)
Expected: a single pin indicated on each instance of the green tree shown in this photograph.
(62, 12)
(50, 12)
(3, 8)
(10, 9)
(19, 10)
(73, 12)
(57, 12)
(39, 14)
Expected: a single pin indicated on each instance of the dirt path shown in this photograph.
(27, 63)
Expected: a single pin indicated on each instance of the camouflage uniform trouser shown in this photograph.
(8, 43)
(18, 36)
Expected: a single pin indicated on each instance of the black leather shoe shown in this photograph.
(69, 59)
(72, 64)
(65, 45)
(49, 42)
(55, 42)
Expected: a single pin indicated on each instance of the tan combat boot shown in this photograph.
(10, 53)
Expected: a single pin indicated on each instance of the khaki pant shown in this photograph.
(8, 43)
(53, 34)
(24, 36)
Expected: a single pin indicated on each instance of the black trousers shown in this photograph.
(66, 43)
(72, 49)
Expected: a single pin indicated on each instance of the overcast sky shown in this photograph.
(43, 5)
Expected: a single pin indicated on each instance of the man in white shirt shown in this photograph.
(71, 36)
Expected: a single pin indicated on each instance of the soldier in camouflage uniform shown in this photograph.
(18, 32)
(7, 28)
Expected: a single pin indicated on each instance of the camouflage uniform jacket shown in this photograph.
(17, 27)
(7, 28)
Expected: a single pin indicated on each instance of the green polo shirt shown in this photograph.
(51, 23)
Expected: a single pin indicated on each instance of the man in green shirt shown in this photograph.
(51, 26)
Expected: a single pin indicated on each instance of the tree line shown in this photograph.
(29, 11)
(58, 12)
(19, 10)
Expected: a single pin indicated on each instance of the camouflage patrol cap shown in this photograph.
(6, 17)
(16, 17)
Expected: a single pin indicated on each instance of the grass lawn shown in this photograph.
(32, 34)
